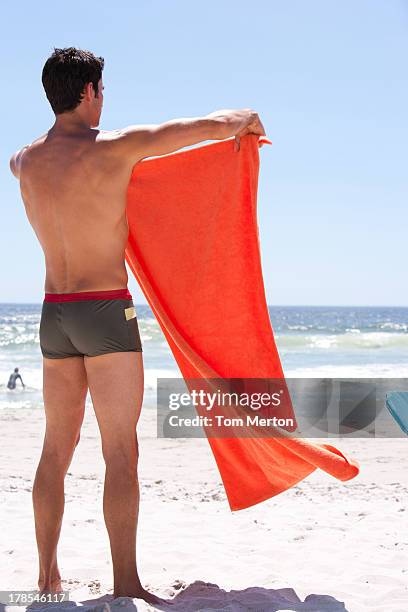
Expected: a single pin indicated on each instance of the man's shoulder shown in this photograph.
(111, 138)
(118, 144)
(15, 161)
(108, 135)
(25, 153)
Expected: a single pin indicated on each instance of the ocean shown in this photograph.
(312, 341)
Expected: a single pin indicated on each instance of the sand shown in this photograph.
(324, 545)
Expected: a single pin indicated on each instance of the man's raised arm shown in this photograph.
(139, 141)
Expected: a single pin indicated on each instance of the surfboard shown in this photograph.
(397, 404)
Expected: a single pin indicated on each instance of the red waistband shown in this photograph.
(110, 294)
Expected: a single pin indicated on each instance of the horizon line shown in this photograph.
(272, 305)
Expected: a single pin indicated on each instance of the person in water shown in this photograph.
(14, 376)
(73, 182)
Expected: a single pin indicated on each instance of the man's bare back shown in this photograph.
(74, 190)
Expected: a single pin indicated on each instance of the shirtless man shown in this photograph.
(14, 376)
(73, 182)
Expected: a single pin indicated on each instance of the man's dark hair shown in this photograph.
(65, 74)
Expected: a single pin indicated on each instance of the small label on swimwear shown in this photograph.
(130, 313)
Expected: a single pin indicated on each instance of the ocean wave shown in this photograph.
(10, 341)
(373, 370)
(350, 340)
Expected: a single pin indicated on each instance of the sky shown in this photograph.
(329, 82)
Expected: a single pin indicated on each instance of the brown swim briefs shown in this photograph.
(88, 323)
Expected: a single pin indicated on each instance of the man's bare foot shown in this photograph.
(52, 586)
(141, 593)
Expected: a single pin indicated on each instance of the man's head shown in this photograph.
(16, 369)
(72, 79)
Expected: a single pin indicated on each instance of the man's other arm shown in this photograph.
(139, 141)
(18, 376)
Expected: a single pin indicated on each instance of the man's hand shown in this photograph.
(238, 123)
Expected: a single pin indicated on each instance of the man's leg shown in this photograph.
(116, 386)
(64, 391)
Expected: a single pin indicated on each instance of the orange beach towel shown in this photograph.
(193, 247)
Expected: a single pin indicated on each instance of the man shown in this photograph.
(14, 376)
(73, 182)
